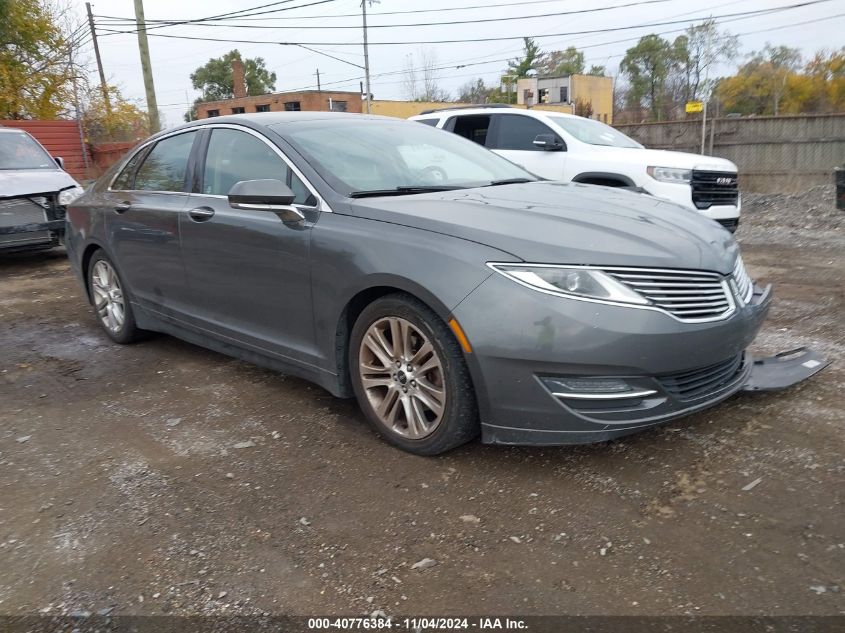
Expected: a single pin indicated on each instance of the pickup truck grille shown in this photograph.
(17, 211)
(688, 295)
(713, 188)
(707, 381)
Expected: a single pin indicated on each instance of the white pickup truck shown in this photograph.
(570, 148)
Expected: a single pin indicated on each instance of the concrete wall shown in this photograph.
(309, 100)
(774, 154)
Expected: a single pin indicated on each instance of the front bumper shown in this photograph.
(521, 339)
(30, 222)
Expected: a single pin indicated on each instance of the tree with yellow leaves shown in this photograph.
(123, 121)
(36, 74)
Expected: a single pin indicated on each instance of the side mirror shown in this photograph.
(548, 142)
(59, 161)
(265, 195)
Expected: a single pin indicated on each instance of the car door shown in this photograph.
(512, 137)
(143, 208)
(248, 270)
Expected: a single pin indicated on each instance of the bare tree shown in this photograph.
(422, 84)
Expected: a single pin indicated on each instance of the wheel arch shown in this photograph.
(85, 263)
(605, 178)
(377, 287)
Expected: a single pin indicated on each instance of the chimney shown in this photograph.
(238, 84)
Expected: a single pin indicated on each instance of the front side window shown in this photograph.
(594, 132)
(432, 122)
(516, 132)
(18, 150)
(234, 156)
(124, 181)
(384, 155)
(165, 166)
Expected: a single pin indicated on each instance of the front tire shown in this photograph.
(410, 377)
(111, 303)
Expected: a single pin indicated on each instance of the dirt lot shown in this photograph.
(163, 478)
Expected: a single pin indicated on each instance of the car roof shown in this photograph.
(3, 128)
(469, 111)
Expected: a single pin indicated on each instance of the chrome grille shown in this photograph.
(743, 281)
(688, 295)
(706, 381)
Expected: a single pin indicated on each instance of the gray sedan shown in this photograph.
(453, 293)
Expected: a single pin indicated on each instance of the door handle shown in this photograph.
(201, 214)
(122, 207)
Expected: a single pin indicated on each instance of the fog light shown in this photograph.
(593, 388)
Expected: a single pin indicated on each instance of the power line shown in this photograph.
(737, 16)
(419, 24)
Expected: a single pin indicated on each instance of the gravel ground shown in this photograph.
(162, 478)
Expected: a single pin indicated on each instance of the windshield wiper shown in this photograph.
(508, 181)
(401, 191)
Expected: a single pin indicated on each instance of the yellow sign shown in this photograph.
(694, 106)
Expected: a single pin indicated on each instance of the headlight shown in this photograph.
(69, 195)
(670, 174)
(587, 283)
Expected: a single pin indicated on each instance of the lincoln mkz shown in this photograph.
(450, 291)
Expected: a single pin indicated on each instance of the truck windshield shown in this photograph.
(594, 132)
(18, 150)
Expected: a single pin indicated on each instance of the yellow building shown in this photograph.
(586, 95)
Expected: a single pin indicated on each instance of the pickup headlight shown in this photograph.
(569, 281)
(69, 195)
(670, 174)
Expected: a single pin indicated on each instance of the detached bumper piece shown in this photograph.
(784, 370)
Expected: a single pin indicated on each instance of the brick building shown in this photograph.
(304, 100)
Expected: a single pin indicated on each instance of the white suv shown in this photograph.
(570, 148)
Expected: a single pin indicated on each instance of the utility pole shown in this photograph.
(366, 53)
(146, 68)
(103, 85)
(318, 80)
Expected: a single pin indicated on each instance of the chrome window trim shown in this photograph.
(321, 205)
(723, 279)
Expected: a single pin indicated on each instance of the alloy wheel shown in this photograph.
(108, 296)
(403, 377)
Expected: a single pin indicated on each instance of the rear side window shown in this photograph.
(234, 156)
(124, 181)
(165, 166)
(472, 127)
(432, 122)
(516, 132)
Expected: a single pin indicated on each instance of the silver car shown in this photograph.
(450, 291)
(34, 190)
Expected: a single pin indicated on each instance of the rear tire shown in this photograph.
(410, 377)
(112, 307)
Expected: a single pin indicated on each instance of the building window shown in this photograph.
(264, 107)
(337, 106)
(292, 106)
(564, 94)
(212, 113)
(238, 110)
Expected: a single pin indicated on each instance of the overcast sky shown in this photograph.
(174, 59)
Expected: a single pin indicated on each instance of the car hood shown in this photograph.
(665, 158)
(549, 222)
(23, 182)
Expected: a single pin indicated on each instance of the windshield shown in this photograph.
(19, 150)
(594, 132)
(369, 155)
